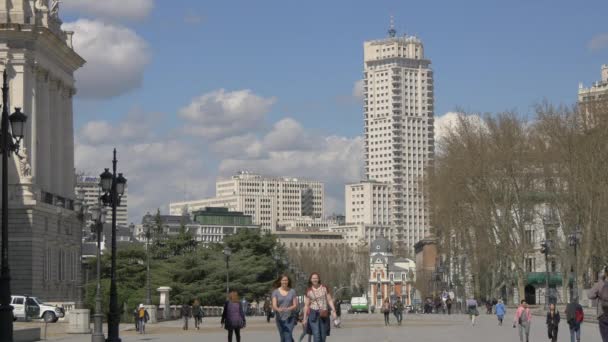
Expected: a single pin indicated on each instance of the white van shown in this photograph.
(36, 309)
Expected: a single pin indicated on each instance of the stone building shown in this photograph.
(389, 277)
(44, 232)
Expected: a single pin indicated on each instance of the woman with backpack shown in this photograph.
(523, 318)
(284, 304)
(386, 310)
(233, 316)
(317, 302)
(472, 309)
(552, 322)
(197, 313)
(574, 316)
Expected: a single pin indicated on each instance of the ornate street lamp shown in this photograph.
(113, 187)
(573, 240)
(227, 252)
(8, 144)
(98, 217)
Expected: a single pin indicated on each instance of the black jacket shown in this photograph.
(553, 321)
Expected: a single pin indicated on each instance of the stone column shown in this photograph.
(68, 141)
(53, 162)
(164, 301)
(43, 148)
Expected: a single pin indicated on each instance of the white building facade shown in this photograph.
(399, 135)
(598, 90)
(368, 203)
(267, 200)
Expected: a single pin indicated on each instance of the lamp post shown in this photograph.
(81, 210)
(545, 248)
(573, 240)
(113, 187)
(148, 233)
(227, 253)
(98, 217)
(9, 143)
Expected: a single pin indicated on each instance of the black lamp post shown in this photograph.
(148, 234)
(98, 217)
(545, 248)
(9, 143)
(113, 187)
(573, 240)
(227, 252)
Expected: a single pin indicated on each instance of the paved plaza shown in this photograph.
(358, 328)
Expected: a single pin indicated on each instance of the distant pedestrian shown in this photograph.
(317, 302)
(186, 312)
(575, 317)
(142, 318)
(600, 292)
(338, 306)
(233, 317)
(501, 311)
(472, 309)
(136, 318)
(386, 310)
(448, 304)
(523, 318)
(268, 309)
(197, 313)
(284, 304)
(552, 323)
(398, 310)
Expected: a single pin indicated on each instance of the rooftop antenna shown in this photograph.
(391, 30)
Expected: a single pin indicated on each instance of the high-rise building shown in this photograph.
(91, 190)
(399, 136)
(267, 199)
(44, 232)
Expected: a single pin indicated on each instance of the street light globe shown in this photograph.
(18, 120)
(105, 181)
(121, 182)
(227, 251)
(95, 212)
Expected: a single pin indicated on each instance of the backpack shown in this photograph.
(141, 313)
(603, 297)
(579, 315)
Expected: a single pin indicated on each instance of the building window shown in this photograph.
(530, 265)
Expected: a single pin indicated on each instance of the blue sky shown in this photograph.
(488, 56)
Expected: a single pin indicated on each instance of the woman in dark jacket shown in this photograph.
(233, 316)
(552, 322)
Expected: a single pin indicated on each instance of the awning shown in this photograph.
(539, 278)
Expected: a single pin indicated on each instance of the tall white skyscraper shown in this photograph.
(399, 136)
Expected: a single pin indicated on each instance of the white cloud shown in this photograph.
(358, 90)
(119, 9)
(221, 114)
(449, 121)
(598, 42)
(116, 58)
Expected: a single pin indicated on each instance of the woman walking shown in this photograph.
(233, 316)
(552, 322)
(386, 310)
(317, 303)
(284, 304)
(523, 317)
(472, 309)
(501, 311)
(197, 313)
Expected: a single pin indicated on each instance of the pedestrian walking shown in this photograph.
(136, 318)
(523, 318)
(233, 317)
(472, 309)
(552, 323)
(142, 318)
(386, 310)
(398, 310)
(317, 302)
(268, 309)
(338, 306)
(501, 311)
(197, 313)
(284, 304)
(186, 312)
(448, 303)
(599, 292)
(575, 317)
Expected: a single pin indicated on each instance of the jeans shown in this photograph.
(552, 332)
(237, 333)
(524, 329)
(575, 333)
(141, 325)
(285, 328)
(603, 323)
(198, 320)
(387, 318)
(398, 316)
(318, 326)
(186, 318)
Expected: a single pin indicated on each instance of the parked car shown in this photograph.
(35, 309)
(359, 304)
